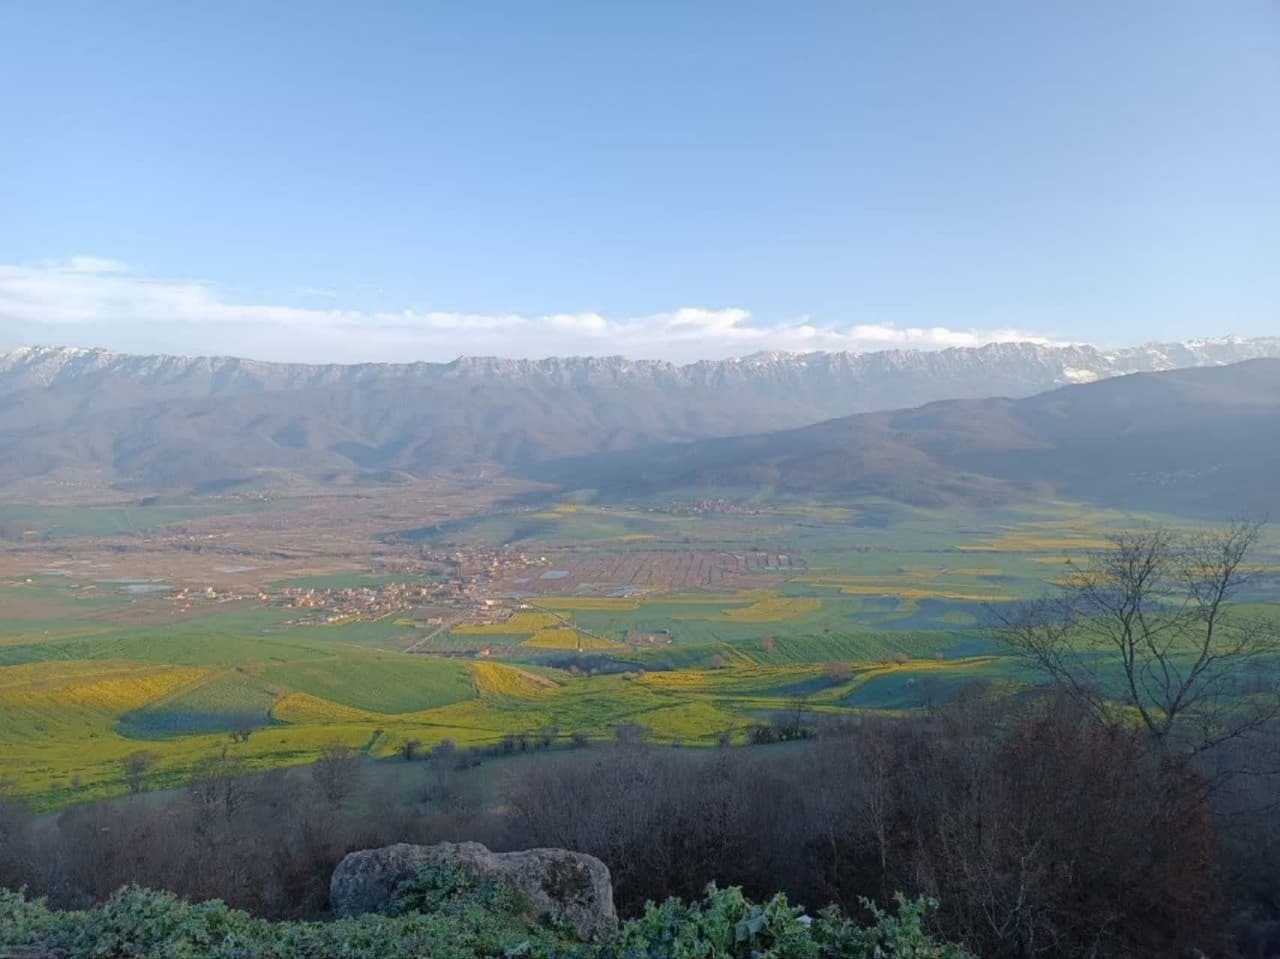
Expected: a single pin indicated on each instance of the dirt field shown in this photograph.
(609, 573)
(242, 551)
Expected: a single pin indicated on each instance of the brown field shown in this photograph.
(641, 571)
(239, 553)
(240, 558)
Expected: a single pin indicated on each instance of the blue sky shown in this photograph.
(326, 181)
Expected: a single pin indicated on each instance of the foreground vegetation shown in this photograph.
(468, 923)
(1039, 828)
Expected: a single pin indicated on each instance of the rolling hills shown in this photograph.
(1197, 441)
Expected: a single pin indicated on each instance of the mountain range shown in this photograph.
(90, 418)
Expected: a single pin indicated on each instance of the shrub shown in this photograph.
(447, 915)
(141, 924)
(902, 935)
(726, 925)
(444, 888)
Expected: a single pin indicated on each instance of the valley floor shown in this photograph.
(489, 625)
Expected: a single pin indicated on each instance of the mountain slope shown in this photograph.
(1204, 441)
(88, 417)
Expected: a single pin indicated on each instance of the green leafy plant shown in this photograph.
(725, 925)
(901, 935)
(446, 888)
(446, 914)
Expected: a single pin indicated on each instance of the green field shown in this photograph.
(379, 682)
(72, 707)
(884, 614)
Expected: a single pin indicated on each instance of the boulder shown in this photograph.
(567, 886)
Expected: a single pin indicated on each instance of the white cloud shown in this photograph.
(89, 264)
(94, 301)
(321, 292)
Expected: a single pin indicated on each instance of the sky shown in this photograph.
(321, 181)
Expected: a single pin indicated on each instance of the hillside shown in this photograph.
(1203, 441)
(93, 419)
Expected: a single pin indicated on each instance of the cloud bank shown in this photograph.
(94, 301)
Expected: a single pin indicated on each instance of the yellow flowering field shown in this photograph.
(567, 638)
(522, 622)
(305, 708)
(496, 679)
(773, 610)
(108, 687)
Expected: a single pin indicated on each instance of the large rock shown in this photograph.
(568, 886)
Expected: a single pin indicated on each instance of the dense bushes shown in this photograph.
(462, 922)
(141, 924)
(1032, 825)
(266, 843)
(1040, 831)
(726, 924)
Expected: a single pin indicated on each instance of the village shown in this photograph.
(435, 586)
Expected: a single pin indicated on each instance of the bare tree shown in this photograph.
(799, 712)
(136, 766)
(336, 773)
(219, 787)
(1150, 627)
(444, 767)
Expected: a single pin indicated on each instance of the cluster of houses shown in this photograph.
(438, 585)
(360, 602)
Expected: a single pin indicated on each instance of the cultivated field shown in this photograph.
(569, 618)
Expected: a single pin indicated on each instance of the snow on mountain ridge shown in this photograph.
(48, 365)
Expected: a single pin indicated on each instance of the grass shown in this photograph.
(774, 609)
(884, 616)
(568, 638)
(907, 689)
(375, 681)
(857, 647)
(509, 682)
(520, 624)
(876, 586)
(231, 701)
(65, 726)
